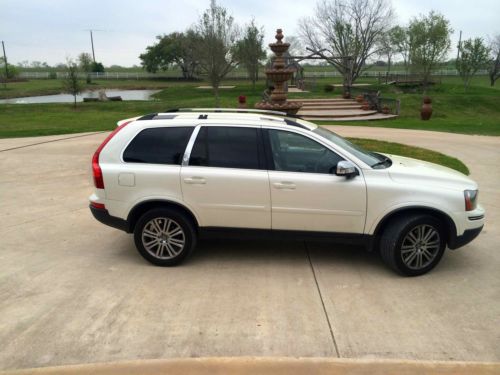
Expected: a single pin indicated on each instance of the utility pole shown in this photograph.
(459, 44)
(6, 67)
(92, 42)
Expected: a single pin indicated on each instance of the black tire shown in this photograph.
(397, 232)
(164, 249)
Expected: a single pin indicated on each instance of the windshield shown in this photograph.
(373, 159)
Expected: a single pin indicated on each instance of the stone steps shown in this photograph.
(335, 113)
(336, 109)
(369, 117)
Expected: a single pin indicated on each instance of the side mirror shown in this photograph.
(346, 169)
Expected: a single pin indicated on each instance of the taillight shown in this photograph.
(96, 169)
(470, 199)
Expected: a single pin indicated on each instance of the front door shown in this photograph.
(305, 194)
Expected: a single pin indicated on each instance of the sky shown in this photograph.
(54, 30)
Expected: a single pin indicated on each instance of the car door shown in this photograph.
(305, 194)
(225, 180)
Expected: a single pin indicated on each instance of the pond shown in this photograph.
(66, 98)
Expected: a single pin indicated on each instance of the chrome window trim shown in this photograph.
(189, 147)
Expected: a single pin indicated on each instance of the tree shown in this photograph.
(429, 39)
(71, 83)
(249, 51)
(217, 36)
(494, 70)
(473, 55)
(85, 63)
(174, 48)
(97, 67)
(386, 46)
(400, 40)
(12, 70)
(344, 33)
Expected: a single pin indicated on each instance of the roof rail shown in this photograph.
(231, 110)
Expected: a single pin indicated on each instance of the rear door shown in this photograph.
(225, 180)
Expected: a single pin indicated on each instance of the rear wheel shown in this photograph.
(414, 244)
(164, 237)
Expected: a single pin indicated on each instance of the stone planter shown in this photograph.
(386, 110)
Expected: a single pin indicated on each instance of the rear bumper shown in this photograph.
(102, 215)
(459, 241)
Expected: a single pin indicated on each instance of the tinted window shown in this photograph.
(295, 153)
(226, 147)
(158, 146)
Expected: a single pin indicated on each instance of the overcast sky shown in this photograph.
(52, 30)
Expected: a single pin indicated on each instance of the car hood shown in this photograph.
(407, 171)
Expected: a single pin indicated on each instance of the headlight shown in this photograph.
(470, 199)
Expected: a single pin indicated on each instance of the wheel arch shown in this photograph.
(139, 209)
(444, 218)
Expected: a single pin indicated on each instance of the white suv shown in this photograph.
(171, 178)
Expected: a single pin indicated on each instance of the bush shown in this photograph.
(52, 75)
(328, 88)
(97, 67)
(13, 71)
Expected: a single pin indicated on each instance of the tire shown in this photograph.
(412, 245)
(165, 236)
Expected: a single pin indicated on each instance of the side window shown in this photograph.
(226, 147)
(295, 153)
(158, 146)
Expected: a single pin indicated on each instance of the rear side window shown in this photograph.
(227, 147)
(158, 146)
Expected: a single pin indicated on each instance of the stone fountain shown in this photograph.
(279, 74)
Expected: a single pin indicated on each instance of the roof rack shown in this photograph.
(231, 110)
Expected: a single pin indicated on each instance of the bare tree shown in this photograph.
(344, 33)
(71, 84)
(218, 35)
(472, 56)
(494, 71)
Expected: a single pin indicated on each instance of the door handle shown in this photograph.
(195, 180)
(285, 185)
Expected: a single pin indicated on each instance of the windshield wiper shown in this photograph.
(381, 162)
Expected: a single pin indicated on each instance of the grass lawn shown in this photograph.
(411, 152)
(477, 112)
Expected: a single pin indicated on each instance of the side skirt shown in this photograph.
(365, 240)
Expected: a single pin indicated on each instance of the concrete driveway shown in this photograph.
(74, 291)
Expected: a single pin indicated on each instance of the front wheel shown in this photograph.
(164, 237)
(413, 245)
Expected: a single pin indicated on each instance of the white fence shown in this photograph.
(232, 75)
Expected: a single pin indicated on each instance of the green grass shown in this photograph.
(477, 112)
(411, 152)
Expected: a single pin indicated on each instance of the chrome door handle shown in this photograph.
(285, 185)
(195, 180)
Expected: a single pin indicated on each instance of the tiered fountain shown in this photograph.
(279, 74)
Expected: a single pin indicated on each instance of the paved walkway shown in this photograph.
(74, 291)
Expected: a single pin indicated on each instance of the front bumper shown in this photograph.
(102, 215)
(458, 241)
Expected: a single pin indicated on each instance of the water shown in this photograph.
(66, 98)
